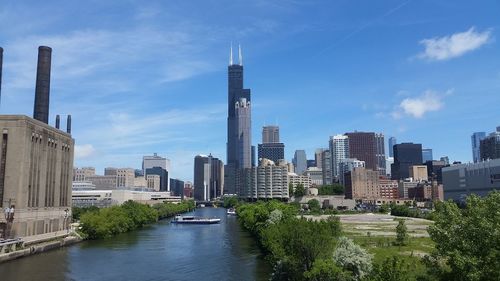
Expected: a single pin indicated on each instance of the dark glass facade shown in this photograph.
(163, 176)
(272, 151)
(405, 155)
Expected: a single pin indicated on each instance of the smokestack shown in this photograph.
(58, 121)
(1, 63)
(68, 125)
(42, 90)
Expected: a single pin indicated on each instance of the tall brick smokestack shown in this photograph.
(42, 90)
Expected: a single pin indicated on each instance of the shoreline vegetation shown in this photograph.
(463, 244)
(102, 223)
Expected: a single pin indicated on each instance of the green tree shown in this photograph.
(391, 269)
(467, 240)
(401, 234)
(334, 189)
(384, 208)
(300, 190)
(290, 190)
(230, 201)
(327, 270)
(314, 205)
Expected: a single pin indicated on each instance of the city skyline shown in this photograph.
(145, 88)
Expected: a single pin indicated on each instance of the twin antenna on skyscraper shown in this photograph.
(240, 57)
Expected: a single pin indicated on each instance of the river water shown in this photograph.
(162, 251)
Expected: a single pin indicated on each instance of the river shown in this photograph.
(162, 251)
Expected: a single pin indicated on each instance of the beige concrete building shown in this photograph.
(295, 179)
(81, 174)
(125, 177)
(362, 184)
(103, 182)
(153, 182)
(419, 173)
(140, 182)
(36, 166)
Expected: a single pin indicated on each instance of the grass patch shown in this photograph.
(382, 247)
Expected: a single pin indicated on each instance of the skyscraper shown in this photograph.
(157, 165)
(362, 146)
(271, 148)
(405, 156)
(326, 167)
(476, 139)
(380, 153)
(270, 134)
(339, 150)
(208, 177)
(427, 155)
(392, 143)
(490, 146)
(239, 148)
(300, 161)
(317, 157)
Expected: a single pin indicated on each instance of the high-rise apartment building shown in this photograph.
(157, 165)
(405, 156)
(300, 161)
(339, 150)
(239, 148)
(208, 177)
(490, 146)
(326, 167)
(270, 134)
(476, 139)
(427, 155)
(368, 147)
(392, 143)
(317, 157)
(380, 153)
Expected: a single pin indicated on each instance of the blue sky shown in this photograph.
(150, 76)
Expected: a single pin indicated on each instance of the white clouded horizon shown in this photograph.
(84, 151)
(455, 45)
(417, 107)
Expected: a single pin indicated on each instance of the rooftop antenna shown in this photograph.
(231, 55)
(240, 57)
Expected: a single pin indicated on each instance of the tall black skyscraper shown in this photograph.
(239, 147)
(405, 156)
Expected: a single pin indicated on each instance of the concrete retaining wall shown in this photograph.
(39, 248)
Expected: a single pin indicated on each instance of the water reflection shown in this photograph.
(162, 251)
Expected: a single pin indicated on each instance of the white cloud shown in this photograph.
(455, 45)
(84, 151)
(417, 107)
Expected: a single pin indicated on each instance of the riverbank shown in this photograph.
(159, 251)
(39, 244)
